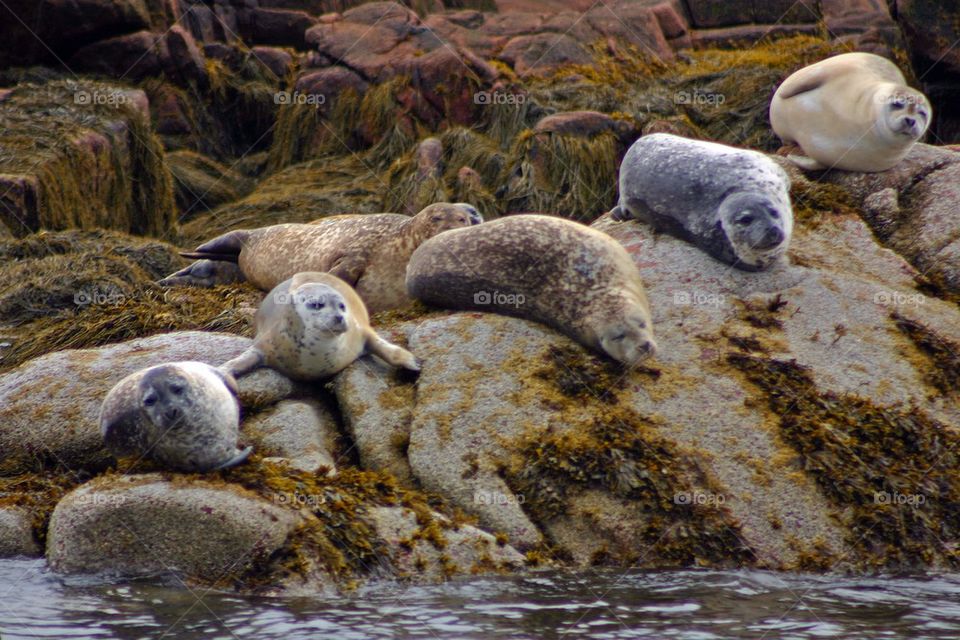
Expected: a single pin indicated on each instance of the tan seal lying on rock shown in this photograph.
(367, 251)
(311, 327)
(184, 415)
(853, 111)
(558, 272)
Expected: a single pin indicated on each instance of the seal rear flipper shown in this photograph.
(235, 460)
(243, 364)
(225, 248)
(390, 353)
(204, 273)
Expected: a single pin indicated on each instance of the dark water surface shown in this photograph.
(594, 604)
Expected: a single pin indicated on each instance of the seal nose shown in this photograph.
(772, 238)
(910, 122)
(338, 319)
(172, 413)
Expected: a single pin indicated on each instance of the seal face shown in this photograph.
(184, 415)
(732, 203)
(312, 326)
(853, 111)
(367, 251)
(558, 272)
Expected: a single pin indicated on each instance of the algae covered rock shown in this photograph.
(145, 526)
(49, 406)
(91, 161)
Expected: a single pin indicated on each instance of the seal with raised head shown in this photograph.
(184, 415)
(853, 111)
(734, 204)
(312, 326)
(558, 272)
(367, 251)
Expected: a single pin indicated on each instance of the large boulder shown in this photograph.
(912, 209)
(144, 526)
(795, 418)
(49, 406)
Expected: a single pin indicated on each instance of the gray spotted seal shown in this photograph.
(184, 415)
(558, 272)
(367, 251)
(732, 203)
(853, 111)
(312, 326)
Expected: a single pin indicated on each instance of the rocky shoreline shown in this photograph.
(804, 418)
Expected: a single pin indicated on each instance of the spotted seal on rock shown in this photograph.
(312, 326)
(732, 203)
(367, 251)
(853, 111)
(184, 415)
(558, 272)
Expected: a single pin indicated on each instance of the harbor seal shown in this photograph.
(367, 251)
(734, 204)
(184, 415)
(558, 272)
(853, 111)
(312, 326)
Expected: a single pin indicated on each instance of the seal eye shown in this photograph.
(176, 389)
(898, 104)
(315, 306)
(619, 337)
(342, 306)
(745, 220)
(436, 218)
(150, 400)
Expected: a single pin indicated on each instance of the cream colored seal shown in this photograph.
(853, 112)
(184, 415)
(558, 272)
(312, 326)
(367, 251)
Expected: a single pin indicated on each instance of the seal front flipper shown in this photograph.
(808, 164)
(349, 267)
(243, 364)
(235, 460)
(226, 247)
(390, 353)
